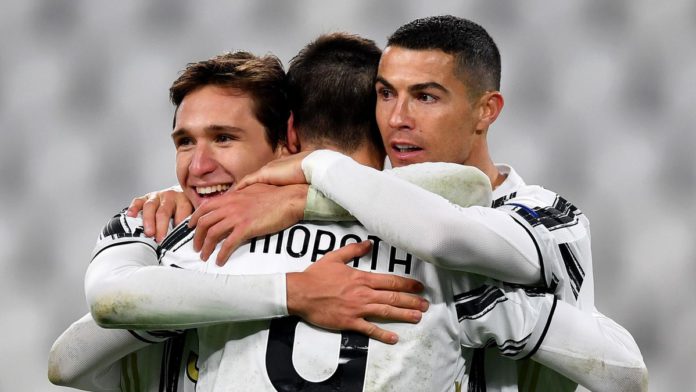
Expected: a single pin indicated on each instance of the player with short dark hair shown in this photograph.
(216, 121)
(345, 90)
(261, 354)
(437, 97)
(260, 77)
(477, 59)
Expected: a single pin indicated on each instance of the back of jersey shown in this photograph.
(287, 354)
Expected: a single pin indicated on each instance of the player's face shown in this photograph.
(423, 109)
(218, 141)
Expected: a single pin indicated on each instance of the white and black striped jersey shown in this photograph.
(531, 236)
(169, 363)
(561, 235)
(286, 354)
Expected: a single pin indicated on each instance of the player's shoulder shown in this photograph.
(122, 229)
(536, 196)
(121, 225)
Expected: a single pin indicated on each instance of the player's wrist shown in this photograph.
(293, 293)
(297, 201)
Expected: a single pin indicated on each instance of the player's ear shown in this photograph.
(489, 106)
(293, 146)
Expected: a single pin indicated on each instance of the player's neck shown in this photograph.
(366, 154)
(481, 159)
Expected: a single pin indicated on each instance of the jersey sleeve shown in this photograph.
(126, 287)
(461, 185)
(510, 318)
(87, 356)
(561, 235)
(475, 239)
(592, 350)
(122, 229)
(524, 323)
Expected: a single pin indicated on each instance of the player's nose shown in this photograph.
(203, 161)
(400, 116)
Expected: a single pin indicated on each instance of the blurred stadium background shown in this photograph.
(599, 107)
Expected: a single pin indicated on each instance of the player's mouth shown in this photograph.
(212, 190)
(404, 153)
(405, 148)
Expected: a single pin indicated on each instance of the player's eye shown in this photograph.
(182, 142)
(384, 93)
(427, 98)
(225, 138)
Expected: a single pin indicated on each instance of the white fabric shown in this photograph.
(87, 356)
(460, 185)
(533, 236)
(607, 369)
(124, 282)
(426, 224)
(429, 355)
(127, 288)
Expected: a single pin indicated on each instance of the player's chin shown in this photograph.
(405, 159)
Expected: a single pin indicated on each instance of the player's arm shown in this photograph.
(477, 239)
(593, 351)
(235, 218)
(127, 288)
(87, 356)
(588, 348)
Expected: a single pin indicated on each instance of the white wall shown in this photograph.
(599, 107)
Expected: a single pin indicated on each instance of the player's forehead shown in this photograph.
(402, 66)
(214, 108)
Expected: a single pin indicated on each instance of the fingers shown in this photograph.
(136, 206)
(203, 225)
(390, 313)
(201, 211)
(149, 215)
(249, 179)
(163, 216)
(230, 244)
(399, 300)
(349, 252)
(375, 332)
(183, 209)
(394, 283)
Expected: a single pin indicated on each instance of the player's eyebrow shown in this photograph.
(383, 81)
(212, 129)
(415, 88)
(427, 85)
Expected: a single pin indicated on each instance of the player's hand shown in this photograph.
(237, 216)
(332, 295)
(283, 171)
(158, 209)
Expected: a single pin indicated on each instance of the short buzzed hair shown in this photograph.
(331, 90)
(262, 77)
(476, 54)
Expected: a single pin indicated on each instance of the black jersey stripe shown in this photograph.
(574, 269)
(477, 375)
(538, 250)
(501, 200)
(511, 348)
(477, 292)
(141, 338)
(472, 306)
(171, 364)
(172, 240)
(115, 226)
(550, 217)
(543, 333)
(123, 243)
